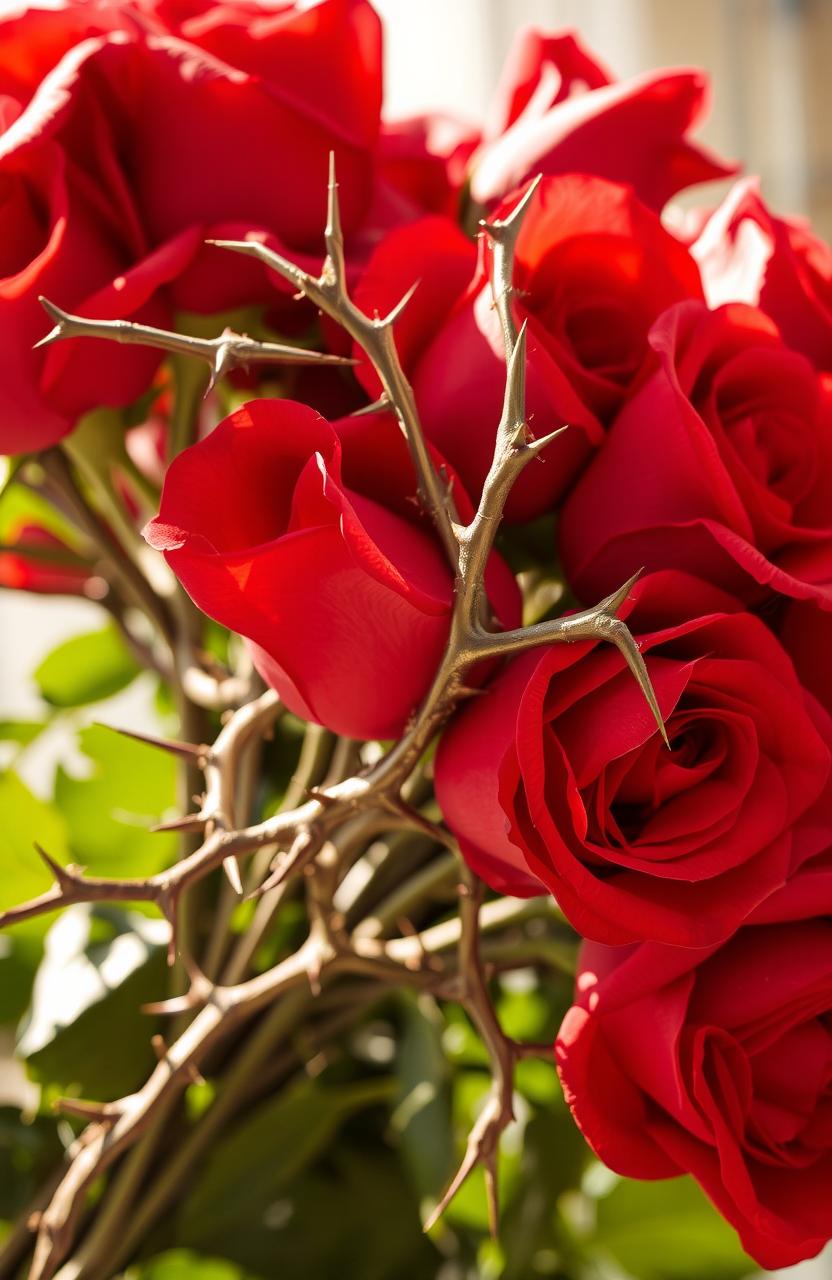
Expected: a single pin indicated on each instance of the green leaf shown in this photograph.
(668, 1230)
(352, 1215)
(422, 1116)
(109, 814)
(28, 1151)
(21, 731)
(26, 819)
(84, 1032)
(86, 669)
(181, 1264)
(255, 1163)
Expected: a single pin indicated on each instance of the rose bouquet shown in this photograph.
(470, 519)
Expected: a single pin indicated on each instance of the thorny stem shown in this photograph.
(228, 351)
(318, 833)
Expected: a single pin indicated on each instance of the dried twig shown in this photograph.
(228, 351)
(320, 833)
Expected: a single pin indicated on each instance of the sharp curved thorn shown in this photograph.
(536, 447)
(627, 646)
(61, 319)
(393, 315)
(469, 1162)
(333, 230)
(94, 1112)
(256, 249)
(191, 822)
(62, 875)
(322, 797)
(231, 867)
(175, 1005)
(382, 405)
(506, 228)
(159, 1047)
(492, 1195)
(514, 405)
(222, 362)
(185, 749)
(611, 605)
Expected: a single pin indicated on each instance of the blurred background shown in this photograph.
(770, 63)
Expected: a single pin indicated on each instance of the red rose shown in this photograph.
(558, 110)
(33, 39)
(748, 255)
(306, 540)
(176, 111)
(65, 234)
(426, 158)
(594, 268)
(721, 465)
(557, 779)
(805, 632)
(715, 1063)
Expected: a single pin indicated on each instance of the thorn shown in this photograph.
(190, 822)
(222, 362)
(392, 316)
(185, 749)
(514, 404)
(382, 405)
(175, 1005)
(537, 446)
(468, 1163)
(333, 211)
(492, 1195)
(507, 229)
(256, 249)
(61, 319)
(322, 797)
(159, 1047)
(231, 867)
(623, 639)
(611, 605)
(294, 860)
(313, 973)
(34, 1220)
(62, 875)
(94, 1112)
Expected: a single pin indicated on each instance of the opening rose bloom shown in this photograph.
(720, 465)
(305, 538)
(747, 254)
(593, 269)
(108, 172)
(556, 778)
(557, 109)
(716, 1063)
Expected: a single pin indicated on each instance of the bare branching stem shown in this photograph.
(228, 351)
(332, 810)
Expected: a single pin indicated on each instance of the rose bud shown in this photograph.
(593, 269)
(305, 538)
(720, 465)
(716, 1063)
(746, 254)
(557, 779)
(557, 110)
